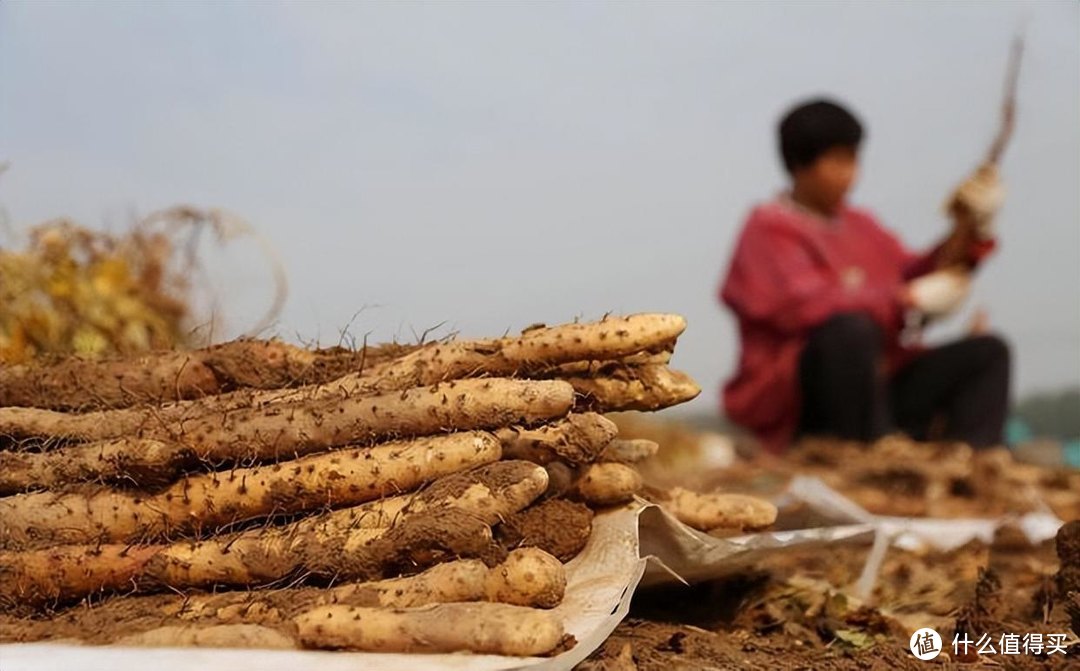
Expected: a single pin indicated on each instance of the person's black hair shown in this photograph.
(812, 128)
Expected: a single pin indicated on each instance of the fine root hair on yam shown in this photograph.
(486, 628)
(608, 484)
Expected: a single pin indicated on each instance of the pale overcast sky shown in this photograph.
(490, 165)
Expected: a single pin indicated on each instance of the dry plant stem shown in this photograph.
(489, 628)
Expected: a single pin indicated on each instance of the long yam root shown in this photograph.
(489, 628)
(528, 577)
(206, 502)
(533, 352)
(38, 578)
(135, 462)
(309, 426)
(643, 388)
(216, 636)
(79, 384)
(488, 494)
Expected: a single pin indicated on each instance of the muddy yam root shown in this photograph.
(559, 527)
(467, 502)
(608, 484)
(204, 502)
(525, 578)
(43, 577)
(487, 628)
(719, 510)
(577, 439)
(215, 636)
(63, 574)
(286, 430)
(643, 388)
(486, 495)
(129, 462)
(79, 384)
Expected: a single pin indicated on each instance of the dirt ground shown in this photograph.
(799, 611)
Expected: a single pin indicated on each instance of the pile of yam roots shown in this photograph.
(392, 498)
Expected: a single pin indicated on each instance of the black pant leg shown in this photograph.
(840, 373)
(962, 388)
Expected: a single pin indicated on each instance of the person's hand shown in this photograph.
(938, 293)
(979, 197)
